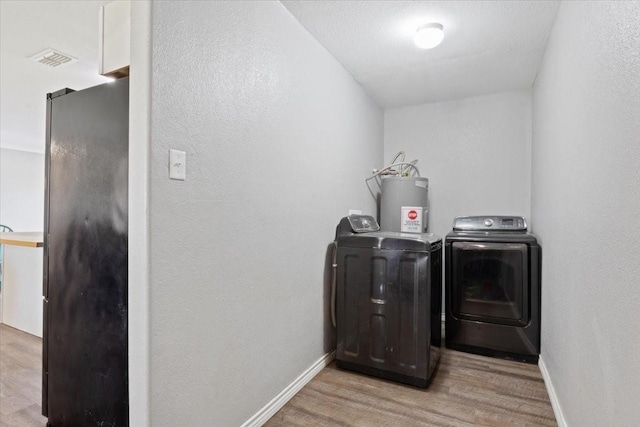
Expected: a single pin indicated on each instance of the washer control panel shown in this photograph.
(363, 223)
(490, 223)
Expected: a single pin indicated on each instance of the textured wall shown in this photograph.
(279, 138)
(585, 209)
(476, 153)
(22, 190)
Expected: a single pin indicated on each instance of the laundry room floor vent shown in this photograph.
(53, 58)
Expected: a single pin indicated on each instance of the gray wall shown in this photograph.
(585, 210)
(22, 190)
(476, 153)
(279, 138)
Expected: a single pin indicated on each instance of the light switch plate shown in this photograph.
(177, 165)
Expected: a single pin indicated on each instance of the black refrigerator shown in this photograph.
(85, 359)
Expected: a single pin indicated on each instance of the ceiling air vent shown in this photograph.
(53, 58)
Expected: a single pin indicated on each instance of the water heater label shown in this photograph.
(411, 218)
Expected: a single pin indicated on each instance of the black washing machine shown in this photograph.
(492, 288)
(388, 301)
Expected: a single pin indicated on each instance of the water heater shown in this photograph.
(404, 204)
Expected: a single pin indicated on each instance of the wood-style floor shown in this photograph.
(20, 379)
(467, 390)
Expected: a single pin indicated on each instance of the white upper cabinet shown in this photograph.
(115, 37)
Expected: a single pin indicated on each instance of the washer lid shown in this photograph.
(490, 223)
(390, 240)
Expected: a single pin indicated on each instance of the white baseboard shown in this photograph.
(269, 410)
(555, 404)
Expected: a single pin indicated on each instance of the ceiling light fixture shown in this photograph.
(429, 36)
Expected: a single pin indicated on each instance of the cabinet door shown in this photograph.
(115, 38)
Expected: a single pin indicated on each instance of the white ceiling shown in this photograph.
(26, 28)
(489, 46)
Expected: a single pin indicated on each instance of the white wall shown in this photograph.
(139, 158)
(585, 209)
(279, 138)
(22, 190)
(476, 153)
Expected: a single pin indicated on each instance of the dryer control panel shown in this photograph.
(490, 223)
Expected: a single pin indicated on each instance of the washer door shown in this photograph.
(490, 282)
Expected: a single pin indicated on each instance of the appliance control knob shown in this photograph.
(488, 222)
